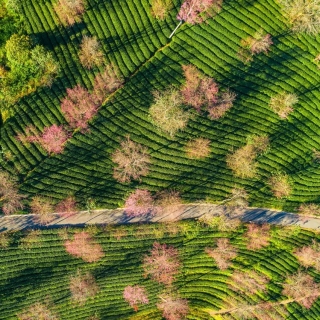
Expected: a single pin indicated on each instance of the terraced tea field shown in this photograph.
(40, 269)
(139, 46)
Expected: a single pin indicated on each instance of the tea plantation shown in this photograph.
(139, 45)
(39, 269)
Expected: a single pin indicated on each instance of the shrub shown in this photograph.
(302, 288)
(166, 112)
(11, 200)
(198, 148)
(258, 43)
(132, 159)
(139, 202)
(309, 209)
(303, 16)
(282, 103)
(173, 308)
(248, 281)
(30, 240)
(222, 254)
(258, 236)
(79, 107)
(221, 222)
(66, 207)
(82, 287)
(38, 311)
(280, 186)
(135, 295)
(160, 8)
(195, 11)
(106, 82)
(162, 265)
(90, 53)
(83, 246)
(4, 240)
(69, 11)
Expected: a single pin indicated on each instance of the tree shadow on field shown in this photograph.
(27, 280)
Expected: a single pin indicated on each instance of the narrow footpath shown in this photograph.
(188, 211)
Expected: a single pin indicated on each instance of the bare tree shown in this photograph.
(309, 256)
(37, 311)
(10, 199)
(67, 207)
(237, 200)
(90, 53)
(280, 186)
(69, 11)
(160, 8)
(162, 265)
(173, 308)
(282, 103)
(259, 42)
(166, 112)
(106, 82)
(242, 161)
(43, 208)
(303, 16)
(198, 148)
(223, 253)
(82, 287)
(248, 281)
(301, 288)
(167, 201)
(258, 236)
(309, 209)
(132, 159)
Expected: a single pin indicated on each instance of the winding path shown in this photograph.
(188, 211)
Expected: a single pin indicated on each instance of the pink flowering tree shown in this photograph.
(198, 90)
(52, 139)
(135, 295)
(173, 308)
(162, 265)
(139, 202)
(79, 107)
(67, 207)
(84, 247)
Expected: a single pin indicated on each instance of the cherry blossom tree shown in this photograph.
(135, 295)
(79, 107)
(167, 201)
(223, 104)
(173, 308)
(196, 11)
(90, 53)
(52, 139)
(309, 256)
(198, 90)
(66, 207)
(10, 198)
(162, 265)
(106, 82)
(69, 11)
(140, 202)
(259, 42)
(82, 287)
(84, 247)
(132, 161)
